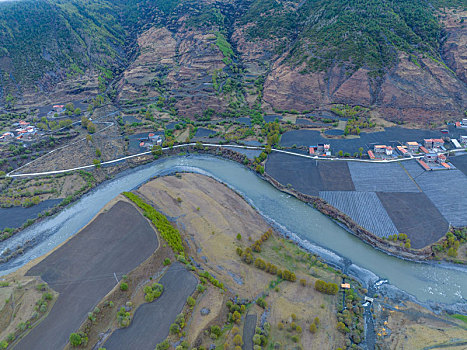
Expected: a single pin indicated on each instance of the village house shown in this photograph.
(403, 151)
(430, 157)
(412, 146)
(463, 140)
(428, 143)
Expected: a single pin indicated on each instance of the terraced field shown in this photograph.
(364, 208)
(389, 177)
(446, 189)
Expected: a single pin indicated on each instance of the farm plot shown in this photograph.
(151, 321)
(16, 216)
(415, 215)
(335, 176)
(446, 189)
(364, 208)
(388, 177)
(460, 162)
(301, 173)
(203, 132)
(249, 331)
(82, 270)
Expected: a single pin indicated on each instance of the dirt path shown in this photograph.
(151, 322)
(82, 271)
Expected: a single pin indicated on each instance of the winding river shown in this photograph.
(425, 281)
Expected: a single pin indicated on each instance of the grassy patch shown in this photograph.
(167, 231)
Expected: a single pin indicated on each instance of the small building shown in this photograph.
(379, 149)
(437, 143)
(428, 143)
(441, 158)
(446, 165)
(412, 146)
(424, 165)
(458, 125)
(389, 150)
(463, 140)
(371, 154)
(430, 157)
(464, 122)
(7, 136)
(323, 147)
(345, 285)
(456, 143)
(311, 150)
(155, 139)
(424, 150)
(403, 151)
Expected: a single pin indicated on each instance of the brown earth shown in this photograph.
(410, 326)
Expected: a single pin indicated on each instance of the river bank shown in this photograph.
(318, 203)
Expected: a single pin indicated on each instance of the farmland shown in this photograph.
(389, 177)
(364, 208)
(446, 189)
(82, 270)
(415, 215)
(390, 198)
(151, 321)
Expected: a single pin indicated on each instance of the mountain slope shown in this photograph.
(405, 58)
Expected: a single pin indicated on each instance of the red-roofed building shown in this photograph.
(437, 143)
(424, 165)
(446, 165)
(371, 155)
(311, 150)
(424, 150)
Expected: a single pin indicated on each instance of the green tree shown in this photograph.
(75, 339)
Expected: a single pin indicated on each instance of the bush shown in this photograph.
(237, 340)
(124, 286)
(167, 262)
(313, 328)
(153, 291)
(170, 234)
(75, 339)
(163, 346)
(174, 328)
(261, 303)
(327, 288)
(191, 301)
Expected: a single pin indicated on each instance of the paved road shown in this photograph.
(151, 321)
(82, 271)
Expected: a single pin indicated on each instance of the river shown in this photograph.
(425, 281)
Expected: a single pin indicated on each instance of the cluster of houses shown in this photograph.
(151, 141)
(322, 149)
(23, 132)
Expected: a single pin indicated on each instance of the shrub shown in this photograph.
(75, 339)
(153, 291)
(237, 340)
(303, 282)
(163, 346)
(257, 339)
(170, 234)
(124, 286)
(239, 237)
(167, 262)
(313, 328)
(191, 301)
(174, 328)
(261, 303)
